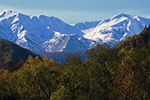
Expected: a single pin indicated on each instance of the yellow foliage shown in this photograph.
(4, 84)
(124, 81)
(32, 62)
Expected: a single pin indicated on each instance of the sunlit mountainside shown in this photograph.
(50, 34)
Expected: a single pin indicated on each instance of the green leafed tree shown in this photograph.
(41, 78)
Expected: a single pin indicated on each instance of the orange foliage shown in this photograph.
(123, 82)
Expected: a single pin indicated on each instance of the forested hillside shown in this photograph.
(10, 54)
(119, 73)
(141, 40)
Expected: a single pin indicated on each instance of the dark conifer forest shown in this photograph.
(118, 73)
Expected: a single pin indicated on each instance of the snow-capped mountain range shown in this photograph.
(50, 34)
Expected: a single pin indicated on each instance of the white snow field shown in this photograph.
(50, 34)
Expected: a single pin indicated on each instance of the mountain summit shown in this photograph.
(37, 33)
(114, 29)
(50, 34)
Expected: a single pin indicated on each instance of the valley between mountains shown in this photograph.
(50, 34)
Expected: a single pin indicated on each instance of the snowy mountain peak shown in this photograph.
(33, 32)
(50, 34)
(7, 13)
(120, 15)
(116, 28)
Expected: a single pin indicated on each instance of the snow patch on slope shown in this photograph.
(50, 34)
(114, 29)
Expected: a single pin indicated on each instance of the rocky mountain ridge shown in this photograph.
(50, 34)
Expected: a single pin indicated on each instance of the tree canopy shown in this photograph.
(118, 73)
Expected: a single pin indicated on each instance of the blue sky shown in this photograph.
(74, 11)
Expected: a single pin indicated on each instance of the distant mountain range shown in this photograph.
(50, 34)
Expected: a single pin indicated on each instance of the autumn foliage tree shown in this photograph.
(110, 73)
(41, 75)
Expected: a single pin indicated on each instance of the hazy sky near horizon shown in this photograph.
(74, 11)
